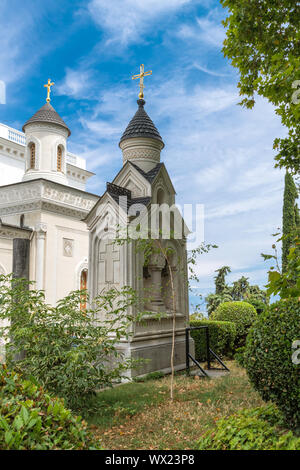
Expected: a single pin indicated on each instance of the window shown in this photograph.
(32, 156)
(160, 196)
(59, 158)
(83, 286)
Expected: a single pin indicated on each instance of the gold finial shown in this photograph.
(48, 86)
(141, 76)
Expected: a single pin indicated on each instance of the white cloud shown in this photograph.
(211, 32)
(13, 39)
(102, 128)
(207, 29)
(214, 73)
(127, 20)
(76, 83)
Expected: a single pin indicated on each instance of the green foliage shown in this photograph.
(242, 314)
(239, 356)
(240, 290)
(268, 357)
(32, 420)
(151, 376)
(259, 305)
(289, 215)
(197, 316)
(285, 284)
(220, 279)
(251, 429)
(262, 42)
(214, 300)
(221, 335)
(65, 348)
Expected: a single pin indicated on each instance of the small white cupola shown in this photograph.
(46, 144)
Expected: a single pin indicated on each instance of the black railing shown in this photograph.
(209, 352)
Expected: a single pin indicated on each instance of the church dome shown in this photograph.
(47, 114)
(141, 126)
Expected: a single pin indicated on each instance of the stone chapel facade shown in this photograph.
(61, 236)
(141, 184)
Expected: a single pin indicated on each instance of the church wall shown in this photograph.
(6, 253)
(11, 169)
(66, 252)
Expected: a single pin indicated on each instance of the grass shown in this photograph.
(141, 415)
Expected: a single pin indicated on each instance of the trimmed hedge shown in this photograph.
(221, 336)
(252, 429)
(268, 357)
(32, 420)
(242, 314)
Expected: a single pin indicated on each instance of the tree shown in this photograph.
(65, 348)
(239, 291)
(221, 286)
(222, 291)
(285, 284)
(290, 217)
(157, 247)
(262, 42)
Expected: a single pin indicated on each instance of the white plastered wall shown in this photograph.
(65, 255)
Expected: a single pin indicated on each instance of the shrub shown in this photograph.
(258, 304)
(221, 335)
(239, 356)
(32, 420)
(65, 348)
(253, 429)
(268, 357)
(242, 314)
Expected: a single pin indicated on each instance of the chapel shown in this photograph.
(59, 235)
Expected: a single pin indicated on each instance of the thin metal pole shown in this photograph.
(187, 350)
(207, 348)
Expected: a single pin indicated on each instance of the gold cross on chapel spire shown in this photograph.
(141, 76)
(48, 86)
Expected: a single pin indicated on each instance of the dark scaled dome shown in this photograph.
(47, 114)
(141, 125)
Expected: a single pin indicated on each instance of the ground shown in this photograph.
(141, 415)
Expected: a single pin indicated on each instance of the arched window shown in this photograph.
(32, 156)
(83, 286)
(160, 196)
(59, 158)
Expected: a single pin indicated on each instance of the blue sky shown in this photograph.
(217, 153)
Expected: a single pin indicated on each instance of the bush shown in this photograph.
(258, 304)
(239, 356)
(253, 429)
(221, 335)
(32, 420)
(242, 314)
(268, 357)
(65, 348)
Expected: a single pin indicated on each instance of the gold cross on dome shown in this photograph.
(48, 86)
(141, 76)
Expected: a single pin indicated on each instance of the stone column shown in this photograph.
(41, 230)
(155, 268)
(21, 255)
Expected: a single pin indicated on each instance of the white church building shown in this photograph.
(59, 235)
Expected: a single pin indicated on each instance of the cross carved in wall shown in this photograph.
(109, 257)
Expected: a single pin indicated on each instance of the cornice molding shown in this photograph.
(45, 195)
(13, 232)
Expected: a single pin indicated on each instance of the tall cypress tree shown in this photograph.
(290, 216)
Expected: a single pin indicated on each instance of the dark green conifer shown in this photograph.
(290, 217)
